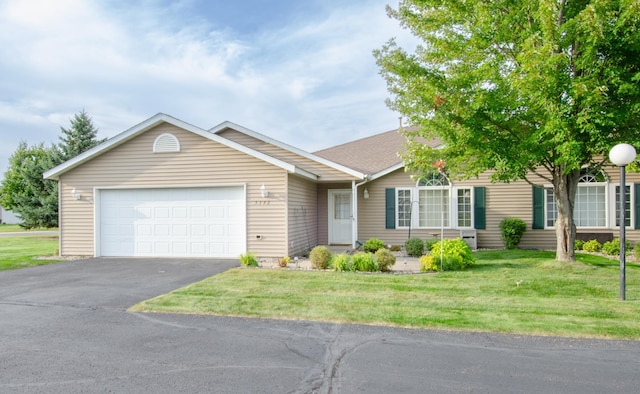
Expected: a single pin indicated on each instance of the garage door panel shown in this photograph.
(172, 222)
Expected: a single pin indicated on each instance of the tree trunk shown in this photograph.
(565, 187)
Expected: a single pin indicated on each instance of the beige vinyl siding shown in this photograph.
(324, 173)
(302, 216)
(502, 200)
(200, 162)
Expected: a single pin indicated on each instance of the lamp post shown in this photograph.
(622, 155)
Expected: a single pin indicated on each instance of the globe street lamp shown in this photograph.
(622, 155)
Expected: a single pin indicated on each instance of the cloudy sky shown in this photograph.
(300, 71)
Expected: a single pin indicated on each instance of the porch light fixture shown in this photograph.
(622, 155)
(264, 191)
(366, 194)
(76, 196)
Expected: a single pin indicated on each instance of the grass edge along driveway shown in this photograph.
(523, 292)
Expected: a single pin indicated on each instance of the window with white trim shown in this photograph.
(627, 206)
(590, 205)
(434, 203)
(465, 209)
(403, 208)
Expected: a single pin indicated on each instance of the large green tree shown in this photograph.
(519, 87)
(25, 192)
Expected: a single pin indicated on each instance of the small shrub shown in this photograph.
(249, 259)
(636, 252)
(578, 244)
(341, 262)
(363, 261)
(320, 257)
(372, 245)
(428, 263)
(512, 230)
(283, 261)
(414, 247)
(385, 259)
(456, 254)
(396, 248)
(428, 244)
(592, 246)
(612, 247)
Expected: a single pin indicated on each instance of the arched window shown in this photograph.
(590, 205)
(433, 201)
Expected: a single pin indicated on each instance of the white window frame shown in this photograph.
(614, 202)
(455, 206)
(610, 205)
(452, 201)
(411, 213)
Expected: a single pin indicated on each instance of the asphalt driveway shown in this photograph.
(64, 329)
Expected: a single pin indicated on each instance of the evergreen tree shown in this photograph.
(24, 190)
(79, 137)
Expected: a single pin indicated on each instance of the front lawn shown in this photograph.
(21, 252)
(517, 291)
(15, 228)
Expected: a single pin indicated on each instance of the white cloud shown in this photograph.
(311, 83)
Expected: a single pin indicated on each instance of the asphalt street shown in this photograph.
(64, 328)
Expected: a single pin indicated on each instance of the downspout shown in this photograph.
(354, 227)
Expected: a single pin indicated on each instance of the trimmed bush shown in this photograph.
(592, 246)
(249, 259)
(456, 255)
(363, 261)
(428, 263)
(320, 257)
(636, 251)
(414, 247)
(384, 259)
(512, 230)
(578, 244)
(372, 245)
(612, 248)
(428, 244)
(342, 262)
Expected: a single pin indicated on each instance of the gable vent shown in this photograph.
(166, 143)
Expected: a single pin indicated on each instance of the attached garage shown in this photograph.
(167, 222)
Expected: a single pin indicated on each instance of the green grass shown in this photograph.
(15, 228)
(567, 299)
(21, 252)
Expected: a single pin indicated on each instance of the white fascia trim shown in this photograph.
(386, 171)
(264, 138)
(150, 123)
(108, 144)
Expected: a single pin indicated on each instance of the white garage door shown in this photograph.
(186, 222)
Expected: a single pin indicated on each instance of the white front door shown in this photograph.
(340, 217)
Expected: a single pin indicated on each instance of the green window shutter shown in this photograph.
(390, 208)
(538, 207)
(479, 208)
(636, 204)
